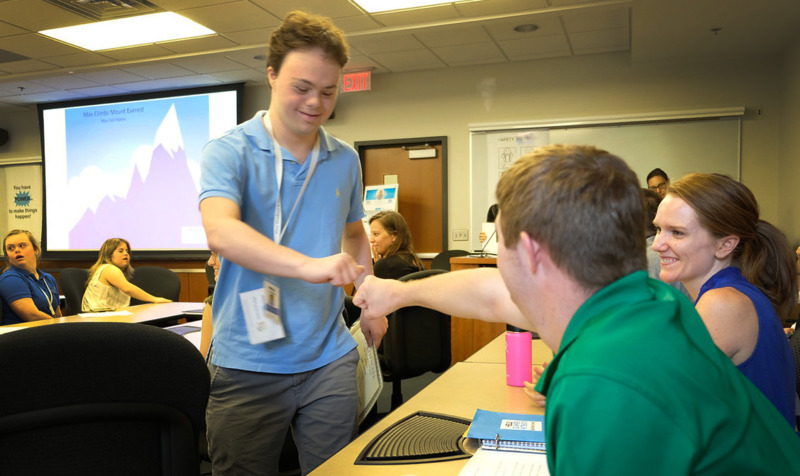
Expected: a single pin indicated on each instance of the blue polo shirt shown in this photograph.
(16, 284)
(240, 166)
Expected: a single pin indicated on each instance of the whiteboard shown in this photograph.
(678, 146)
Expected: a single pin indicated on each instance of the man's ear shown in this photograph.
(726, 245)
(271, 76)
(530, 251)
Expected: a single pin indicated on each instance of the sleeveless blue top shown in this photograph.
(771, 366)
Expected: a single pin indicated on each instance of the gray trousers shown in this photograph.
(249, 413)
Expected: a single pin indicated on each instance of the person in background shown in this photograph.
(633, 356)
(281, 202)
(658, 181)
(740, 273)
(108, 287)
(392, 246)
(207, 325)
(27, 292)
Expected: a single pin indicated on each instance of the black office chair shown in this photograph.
(100, 398)
(158, 281)
(72, 282)
(442, 260)
(794, 342)
(418, 341)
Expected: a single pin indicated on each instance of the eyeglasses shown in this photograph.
(660, 187)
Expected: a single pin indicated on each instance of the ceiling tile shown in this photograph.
(597, 20)
(168, 83)
(494, 7)
(474, 54)
(256, 36)
(158, 71)
(65, 82)
(545, 47)
(386, 43)
(110, 76)
(219, 19)
(247, 58)
(26, 66)
(34, 45)
(453, 35)
(504, 29)
(239, 76)
(29, 87)
(412, 60)
(84, 58)
(207, 64)
(602, 41)
(7, 29)
(195, 45)
(137, 53)
(327, 8)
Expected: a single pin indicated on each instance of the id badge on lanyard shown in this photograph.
(262, 309)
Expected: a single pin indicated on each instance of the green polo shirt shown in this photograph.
(639, 388)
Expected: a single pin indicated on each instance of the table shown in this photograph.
(469, 335)
(459, 391)
(162, 314)
(478, 382)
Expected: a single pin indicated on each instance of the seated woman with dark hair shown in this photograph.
(108, 287)
(392, 247)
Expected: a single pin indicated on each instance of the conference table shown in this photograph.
(477, 382)
(161, 314)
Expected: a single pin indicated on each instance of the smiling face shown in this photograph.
(20, 252)
(379, 238)
(303, 93)
(689, 252)
(121, 256)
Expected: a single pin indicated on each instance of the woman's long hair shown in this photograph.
(104, 257)
(396, 225)
(726, 207)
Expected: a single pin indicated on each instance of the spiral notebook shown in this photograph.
(508, 431)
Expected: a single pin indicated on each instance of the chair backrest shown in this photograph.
(442, 260)
(100, 398)
(418, 339)
(72, 282)
(158, 281)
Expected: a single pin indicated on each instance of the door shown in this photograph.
(422, 190)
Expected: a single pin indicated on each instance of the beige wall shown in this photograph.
(789, 169)
(444, 102)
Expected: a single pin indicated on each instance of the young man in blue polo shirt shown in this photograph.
(637, 386)
(281, 203)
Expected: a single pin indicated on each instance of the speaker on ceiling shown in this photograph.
(3, 137)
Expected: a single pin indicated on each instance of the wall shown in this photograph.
(444, 102)
(789, 176)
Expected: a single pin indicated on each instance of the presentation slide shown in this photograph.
(130, 170)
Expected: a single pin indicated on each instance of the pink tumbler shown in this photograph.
(518, 356)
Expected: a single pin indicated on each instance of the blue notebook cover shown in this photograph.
(508, 431)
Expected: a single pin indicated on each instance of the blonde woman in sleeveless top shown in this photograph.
(108, 287)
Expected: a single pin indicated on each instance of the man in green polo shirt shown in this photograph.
(637, 386)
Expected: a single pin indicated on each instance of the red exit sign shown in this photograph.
(357, 81)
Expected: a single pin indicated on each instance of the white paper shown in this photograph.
(370, 379)
(105, 313)
(261, 326)
(505, 463)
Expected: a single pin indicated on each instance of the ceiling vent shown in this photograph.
(102, 10)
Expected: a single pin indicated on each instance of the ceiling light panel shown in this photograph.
(132, 31)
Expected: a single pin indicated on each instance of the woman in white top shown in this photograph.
(108, 287)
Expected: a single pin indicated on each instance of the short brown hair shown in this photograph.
(726, 207)
(301, 31)
(583, 204)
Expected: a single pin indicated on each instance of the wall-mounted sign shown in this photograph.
(353, 81)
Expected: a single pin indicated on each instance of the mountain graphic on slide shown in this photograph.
(161, 227)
